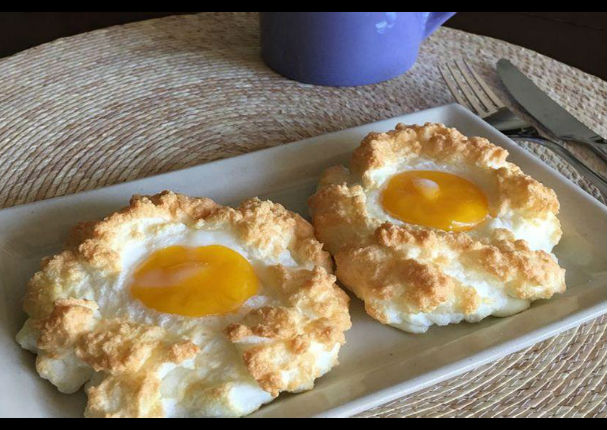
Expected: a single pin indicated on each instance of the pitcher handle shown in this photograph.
(434, 20)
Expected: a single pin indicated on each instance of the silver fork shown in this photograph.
(470, 90)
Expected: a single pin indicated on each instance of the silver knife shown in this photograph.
(546, 111)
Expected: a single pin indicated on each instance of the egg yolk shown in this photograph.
(194, 282)
(434, 199)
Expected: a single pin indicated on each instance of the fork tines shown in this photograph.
(468, 88)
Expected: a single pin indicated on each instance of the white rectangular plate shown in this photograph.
(378, 363)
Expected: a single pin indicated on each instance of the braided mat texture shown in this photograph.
(135, 100)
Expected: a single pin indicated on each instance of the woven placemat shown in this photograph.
(149, 97)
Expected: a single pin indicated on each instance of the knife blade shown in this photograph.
(541, 107)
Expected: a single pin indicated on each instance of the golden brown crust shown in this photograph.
(380, 270)
(69, 319)
(434, 141)
(42, 290)
(128, 354)
(522, 192)
(133, 395)
(289, 331)
(123, 347)
(340, 216)
(113, 346)
(269, 226)
(407, 265)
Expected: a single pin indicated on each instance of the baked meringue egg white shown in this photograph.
(180, 307)
(431, 227)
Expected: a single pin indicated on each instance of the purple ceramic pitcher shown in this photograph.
(344, 48)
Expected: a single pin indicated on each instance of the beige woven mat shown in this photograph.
(149, 97)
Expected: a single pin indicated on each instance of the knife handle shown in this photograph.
(599, 182)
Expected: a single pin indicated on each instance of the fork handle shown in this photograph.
(599, 182)
(598, 149)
